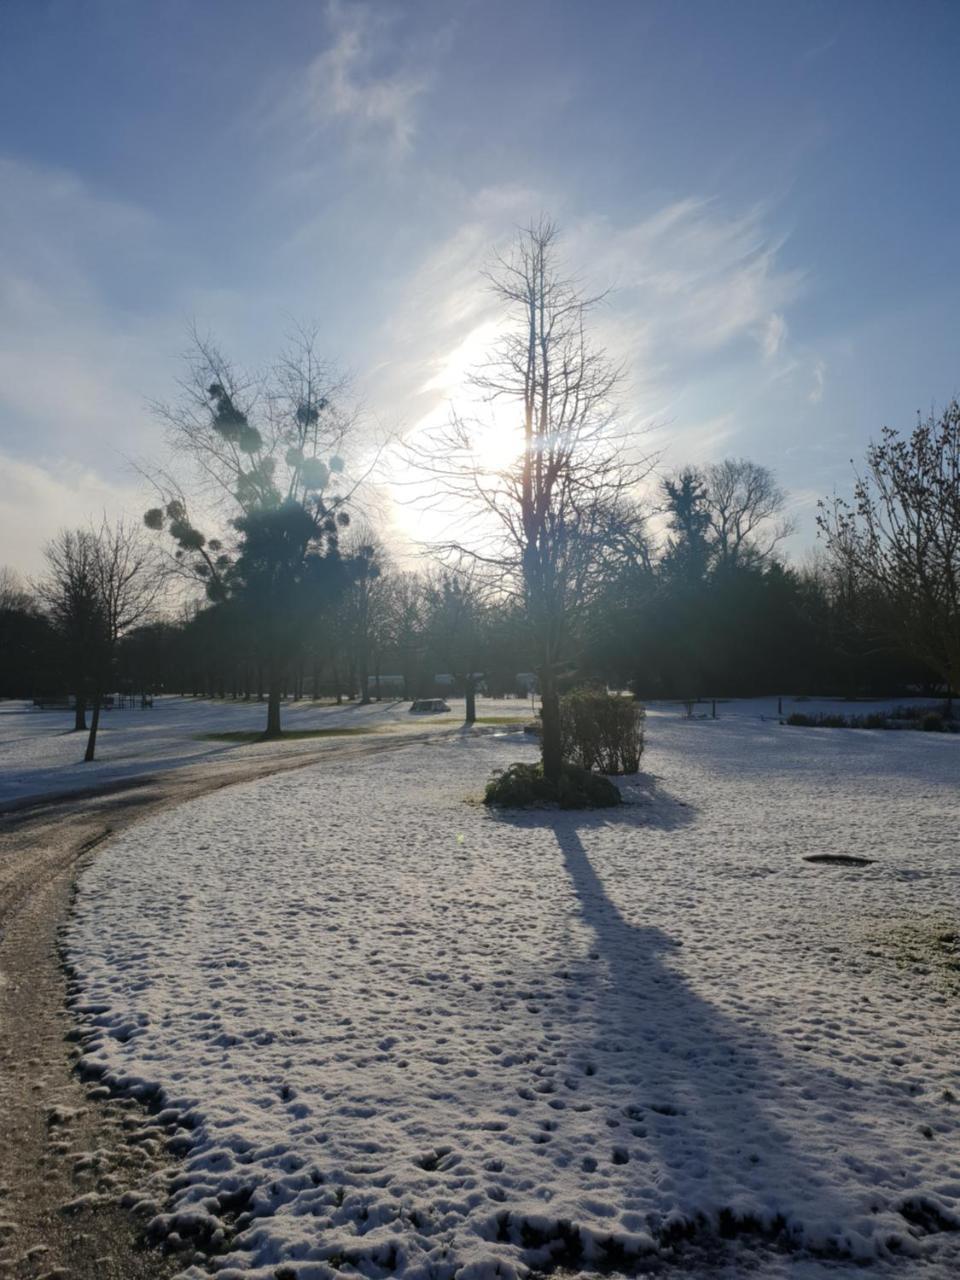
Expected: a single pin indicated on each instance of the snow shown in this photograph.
(411, 1036)
(39, 755)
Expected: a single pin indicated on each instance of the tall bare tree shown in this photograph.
(899, 541)
(545, 517)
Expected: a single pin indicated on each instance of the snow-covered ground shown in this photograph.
(39, 754)
(415, 1037)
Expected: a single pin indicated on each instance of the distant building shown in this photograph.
(387, 684)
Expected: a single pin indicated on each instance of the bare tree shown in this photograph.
(405, 609)
(899, 540)
(366, 605)
(68, 591)
(544, 519)
(454, 621)
(13, 593)
(100, 583)
(744, 505)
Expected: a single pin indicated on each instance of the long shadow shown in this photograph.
(696, 1140)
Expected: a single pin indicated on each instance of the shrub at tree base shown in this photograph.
(523, 786)
(602, 732)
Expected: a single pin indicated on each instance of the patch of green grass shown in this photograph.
(499, 720)
(291, 735)
(929, 947)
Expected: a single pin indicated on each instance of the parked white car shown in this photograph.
(427, 706)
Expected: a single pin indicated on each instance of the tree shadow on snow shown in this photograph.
(695, 1139)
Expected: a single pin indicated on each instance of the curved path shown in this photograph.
(62, 1146)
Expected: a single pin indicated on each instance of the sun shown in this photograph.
(497, 444)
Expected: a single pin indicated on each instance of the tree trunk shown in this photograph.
(550, 726)
(364, 677)
(471, 693)
(273, 709)
(80, 714)
(94, 726)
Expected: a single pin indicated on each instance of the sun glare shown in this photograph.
(498, 444)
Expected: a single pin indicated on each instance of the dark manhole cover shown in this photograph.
(839, 859)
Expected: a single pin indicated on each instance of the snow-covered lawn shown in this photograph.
(39, 754)
(416, 1037)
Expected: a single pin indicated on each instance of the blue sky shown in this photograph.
(771, 189)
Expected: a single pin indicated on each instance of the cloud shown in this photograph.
(80, 346)
(689, 283)
(819, 381)
(773, 335)
(694, 294)
(696, 314)
(347, 83)
(39, 498)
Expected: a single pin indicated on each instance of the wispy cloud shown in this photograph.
(819, 381)
(696, 313)
(351, 82)
(689, 282)
(691, 288)
(773, 334)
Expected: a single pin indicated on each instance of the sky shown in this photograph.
(769, 191)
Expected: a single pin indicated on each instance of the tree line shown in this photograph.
(709, 609)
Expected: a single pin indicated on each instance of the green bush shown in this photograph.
(932, 723)
(601, 732)
(523, 786)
